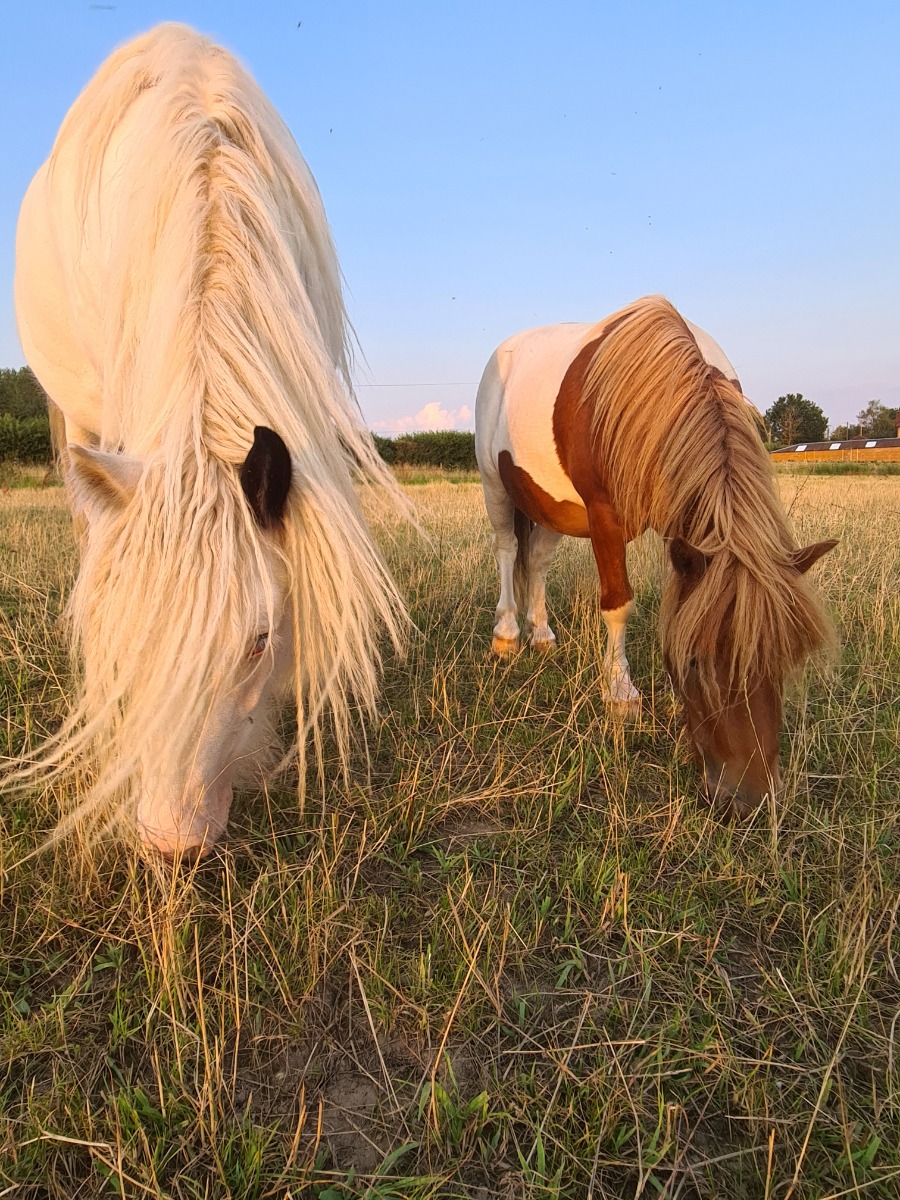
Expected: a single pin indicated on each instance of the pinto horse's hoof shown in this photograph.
(504, 647)
(626, 705)
(544, 645)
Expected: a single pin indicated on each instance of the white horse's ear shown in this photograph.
(101, 482)
(266, 477)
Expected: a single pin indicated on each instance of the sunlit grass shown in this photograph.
(518, 957)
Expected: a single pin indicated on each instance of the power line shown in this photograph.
(415, 385)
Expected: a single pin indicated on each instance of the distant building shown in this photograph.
(855, 449)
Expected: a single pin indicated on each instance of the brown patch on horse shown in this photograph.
(608, 544)
(572, 420)
(716, 373)
(560, 515)
(573, 436)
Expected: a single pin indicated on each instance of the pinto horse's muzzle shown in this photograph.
(736, 798)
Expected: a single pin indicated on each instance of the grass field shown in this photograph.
(522, 959)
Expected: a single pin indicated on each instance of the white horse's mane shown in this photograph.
(223, 311)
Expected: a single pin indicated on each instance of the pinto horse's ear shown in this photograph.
(266, 477)
(101, 482)
(689, 562)
(810, 555)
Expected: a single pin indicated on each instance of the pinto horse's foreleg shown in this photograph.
(540, 555)
(616, 598)
(621, 689)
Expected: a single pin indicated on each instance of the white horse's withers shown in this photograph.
(179, 297)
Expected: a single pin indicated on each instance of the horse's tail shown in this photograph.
(523, 527)
(60, 461)
(58, 440)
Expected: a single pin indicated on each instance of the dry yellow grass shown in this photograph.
(520, 958)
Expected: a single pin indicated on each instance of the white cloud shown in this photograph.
(431, 416)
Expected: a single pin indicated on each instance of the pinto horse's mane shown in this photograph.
(224, 311)
(681, 452)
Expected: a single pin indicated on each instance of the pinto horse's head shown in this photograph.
(729, 641)
(181, 613)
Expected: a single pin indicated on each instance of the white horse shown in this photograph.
(179, 297)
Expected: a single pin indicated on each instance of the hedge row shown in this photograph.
(24, 439)
(27, 439)
(20, 393)
(451, 449)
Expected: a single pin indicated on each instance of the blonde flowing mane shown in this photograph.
(223, 311)
(681, 452)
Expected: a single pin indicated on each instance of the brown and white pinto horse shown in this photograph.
(635, 423)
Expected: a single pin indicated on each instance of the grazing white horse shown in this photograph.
(179, 297)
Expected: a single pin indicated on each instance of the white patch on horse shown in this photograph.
(615, 663)
(516, 399)
(711, 350)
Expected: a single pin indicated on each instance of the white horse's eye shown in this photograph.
(259, 645)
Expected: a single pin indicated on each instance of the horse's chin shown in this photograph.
(255, 766)
(737, 802)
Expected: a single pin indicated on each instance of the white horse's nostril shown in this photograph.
(191, 835)
(172, 846)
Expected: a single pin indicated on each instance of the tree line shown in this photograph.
(793, 418)
(453, 449)
(24, 425)
(25, 428)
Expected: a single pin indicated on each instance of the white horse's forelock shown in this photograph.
(223, 311)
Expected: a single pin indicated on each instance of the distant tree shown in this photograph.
(453, 449)
(24, 438)
(385, 447)
(841, 432)
(8, 390)
(876, 420)
(32, 397)
(793, 418)
(21, 395)
(24, 424)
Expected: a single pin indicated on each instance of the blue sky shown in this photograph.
(491, 166)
